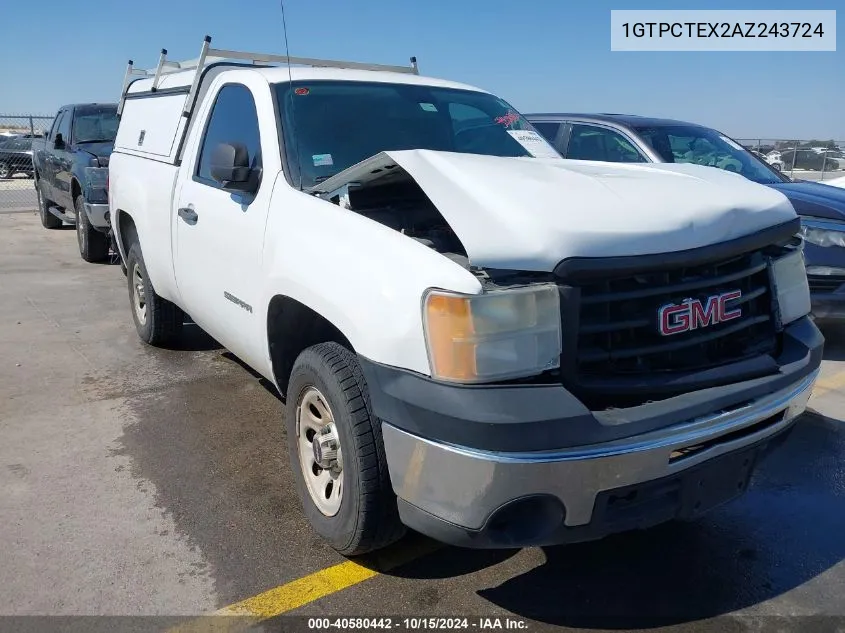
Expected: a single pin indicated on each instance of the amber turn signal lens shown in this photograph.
(450, 332)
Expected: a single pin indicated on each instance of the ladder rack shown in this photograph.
(210, 56)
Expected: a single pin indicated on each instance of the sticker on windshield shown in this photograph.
(536, 145)
(507, 119)
(322, 160)
(428, 107)
(733, 144)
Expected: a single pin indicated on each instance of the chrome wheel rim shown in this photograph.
(80, 238)
(139, 295)
(319, 449)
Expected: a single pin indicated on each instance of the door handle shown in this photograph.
(188, 214)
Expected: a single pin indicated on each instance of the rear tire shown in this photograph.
(93, 245)
(5, 171)
(157, 321)
(48, 220)
(365, 516)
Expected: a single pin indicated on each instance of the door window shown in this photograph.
(64, 128)
(233, 119)
(591, 142)
(548, 130)
(55, 127)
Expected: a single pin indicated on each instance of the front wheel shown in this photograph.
(337, 454)
(93, 245)
(157, 321)
(5, 171)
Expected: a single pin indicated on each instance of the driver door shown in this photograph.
(219, 232)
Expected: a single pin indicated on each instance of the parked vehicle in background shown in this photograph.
(71, 174)
(775, 160)
(808, 159)
(630, 138)
(476, 339)
(15, 157)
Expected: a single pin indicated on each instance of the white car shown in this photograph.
(475, 338)
(774, 159)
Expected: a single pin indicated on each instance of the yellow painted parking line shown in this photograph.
(830, 383)
(327, 581)
(299, 592)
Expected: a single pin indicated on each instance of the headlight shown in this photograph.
(492, 336)
(97, 176)
(789, 279)
(823, 232)
(96, 184)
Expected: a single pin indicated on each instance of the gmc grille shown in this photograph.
(622, 359)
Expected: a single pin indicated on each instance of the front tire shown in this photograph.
(5, 171)
(157, 321)
(48, 220)
(347, 497)
(93, 245)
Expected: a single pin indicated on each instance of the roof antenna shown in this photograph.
(290, 96)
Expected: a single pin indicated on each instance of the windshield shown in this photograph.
(95, 124)
(332, 125)
(703, 146)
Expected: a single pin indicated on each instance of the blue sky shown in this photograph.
(540, 56)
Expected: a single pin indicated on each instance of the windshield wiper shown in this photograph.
(96, 140)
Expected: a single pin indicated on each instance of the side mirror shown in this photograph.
(230, 167)
(59, 141)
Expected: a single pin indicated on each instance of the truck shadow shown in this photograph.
(783, 533)
(266, 384)
(194, 339)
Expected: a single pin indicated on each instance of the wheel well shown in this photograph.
(75, 190)
(127, 231)
(292, 327)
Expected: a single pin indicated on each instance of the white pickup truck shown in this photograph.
(474, 337)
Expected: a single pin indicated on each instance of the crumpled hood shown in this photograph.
(812, 198)
(102, 151)
(530, 213)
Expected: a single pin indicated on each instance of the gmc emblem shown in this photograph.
(692, 314)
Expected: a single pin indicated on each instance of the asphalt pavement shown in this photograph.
(139, 481)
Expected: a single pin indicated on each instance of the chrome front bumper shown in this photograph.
(97, 214)
(462, 487)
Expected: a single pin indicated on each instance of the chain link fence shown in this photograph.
(818, 160)
(17, 192)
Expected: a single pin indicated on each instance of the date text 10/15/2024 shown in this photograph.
(418, 624)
